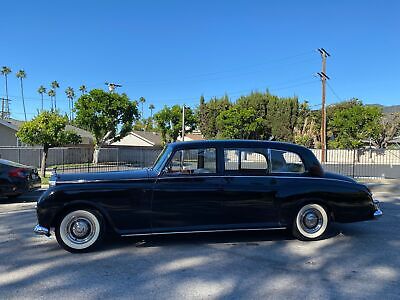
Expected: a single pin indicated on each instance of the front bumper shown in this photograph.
(378, 212)
(41, 230)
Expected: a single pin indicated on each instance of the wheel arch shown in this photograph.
(82, 204)
(288, 216)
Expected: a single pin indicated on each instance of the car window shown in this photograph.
(193, 161)
(246, 161)
(285, 162)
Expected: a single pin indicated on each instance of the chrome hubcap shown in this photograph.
(80, 230)
(311, 220)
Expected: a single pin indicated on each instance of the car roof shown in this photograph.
(240, 143)
(12, 164)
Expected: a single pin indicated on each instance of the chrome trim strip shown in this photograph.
(201, 176)
(202, 231)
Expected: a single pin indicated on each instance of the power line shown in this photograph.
(333, 91)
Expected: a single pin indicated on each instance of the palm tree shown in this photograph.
(70, 95)
(142, 101)
(83, 89)
(55, 85)
(22, 75)
(51, 94)
(5, 108)
(41, 90)
(151, 107)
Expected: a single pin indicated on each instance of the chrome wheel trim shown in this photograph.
(312, 221)
(79, 229)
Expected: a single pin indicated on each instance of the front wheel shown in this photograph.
(80, 230)
(311, 222)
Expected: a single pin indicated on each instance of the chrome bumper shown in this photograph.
(41, 230)
(378, 212)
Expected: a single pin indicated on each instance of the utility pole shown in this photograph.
(324, 77)
(183, 123)
(5, 108)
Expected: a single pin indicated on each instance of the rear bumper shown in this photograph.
(378, 212)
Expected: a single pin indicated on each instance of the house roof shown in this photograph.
(153, 138)
(16, 124)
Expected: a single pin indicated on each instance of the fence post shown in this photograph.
(354, 161)
(88, 159)
(63, 160)
(19, 155)
(117, 159)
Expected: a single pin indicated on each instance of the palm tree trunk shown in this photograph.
(55, 103)
(69, 106)
(42, 101)
(7, 105)
(23, 99)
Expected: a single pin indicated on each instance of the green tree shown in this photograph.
(83, 89)
(389, 128)
(22, 75)
(6, 110)
(108, 116)
(351, 126)
(169, 122)
(70, 95)
(239, 123)
(151, 108)
(52, 95)
(142, 100)
(48, 130)
(55, 85)
(207, 114)
(41, 91)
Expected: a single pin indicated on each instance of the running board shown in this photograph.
(203, 231)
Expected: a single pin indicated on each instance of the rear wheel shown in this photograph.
(80, 230)
(311, 222)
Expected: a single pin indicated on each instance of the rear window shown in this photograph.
(285, 162)
(246, 161)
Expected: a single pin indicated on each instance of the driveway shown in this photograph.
(360, 260)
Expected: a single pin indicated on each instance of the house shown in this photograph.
(151, 139)
(9, 127)
(194, 136)
(138, 138)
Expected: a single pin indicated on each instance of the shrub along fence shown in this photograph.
(370, 163)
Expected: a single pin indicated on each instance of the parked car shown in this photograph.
(16, 179)
(204, 186)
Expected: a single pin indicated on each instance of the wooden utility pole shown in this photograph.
(324, 77)
(183, 123)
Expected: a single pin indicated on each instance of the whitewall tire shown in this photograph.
(80, 230)
(311, 222)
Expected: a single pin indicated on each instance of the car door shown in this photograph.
(249, 193)
(186, 195)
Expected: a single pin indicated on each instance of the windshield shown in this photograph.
(162, 158)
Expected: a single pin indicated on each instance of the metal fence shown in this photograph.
(79, 159)
(370, 163)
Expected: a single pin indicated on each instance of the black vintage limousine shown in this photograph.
(204, 186)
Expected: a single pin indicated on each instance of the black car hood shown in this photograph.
(338, 176)
(58, 179)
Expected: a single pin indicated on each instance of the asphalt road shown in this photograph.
(360, 261)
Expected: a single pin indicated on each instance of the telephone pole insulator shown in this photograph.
(112, 86)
